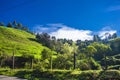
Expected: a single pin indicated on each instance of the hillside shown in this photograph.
(19, 41)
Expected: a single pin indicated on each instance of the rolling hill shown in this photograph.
(19, 41)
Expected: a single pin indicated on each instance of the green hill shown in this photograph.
(19, 41)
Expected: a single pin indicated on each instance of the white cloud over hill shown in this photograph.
(63, 31)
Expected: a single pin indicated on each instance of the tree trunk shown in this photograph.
(51, 63)
(105, 62)
(13, 66)
(74, 61)
(1, 63)
(31, 65)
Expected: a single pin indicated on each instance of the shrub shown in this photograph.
(88, 75)
(85, 66)
(115, 67)
(94, 65)
(111, 74)
(89, 64)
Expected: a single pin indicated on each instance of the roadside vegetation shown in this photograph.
(63, 74)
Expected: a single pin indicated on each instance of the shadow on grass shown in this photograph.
(32, 39)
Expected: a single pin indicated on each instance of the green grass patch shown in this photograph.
(19, 41)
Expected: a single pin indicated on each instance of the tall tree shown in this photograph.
(44, 39)
(46, 56)
(103, 50)
(19, 26)
(90, 51)
(9, 25)
(58, 46)
(13, 57)
(25, 28)
(114, 35)
(74, 51)
(96, 38)
(109, 36)
(1, 24)
(14, 24)
(115, 45)
(78, 42)
(66, 49)
(63, 61)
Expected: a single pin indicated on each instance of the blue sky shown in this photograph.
(59, 17)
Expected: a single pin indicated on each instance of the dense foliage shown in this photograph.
(72, 54)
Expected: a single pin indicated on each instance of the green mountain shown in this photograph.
(18, 41)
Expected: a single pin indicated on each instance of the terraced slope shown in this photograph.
(19, 41)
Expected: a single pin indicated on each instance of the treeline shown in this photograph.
(84, 55)
(16, 25)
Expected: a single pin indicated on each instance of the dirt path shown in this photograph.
(2, 77)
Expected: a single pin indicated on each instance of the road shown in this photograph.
(2, 77)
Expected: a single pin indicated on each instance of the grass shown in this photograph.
(19, 41)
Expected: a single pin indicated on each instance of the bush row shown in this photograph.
(66, 75)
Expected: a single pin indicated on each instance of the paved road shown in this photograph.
(2, 77)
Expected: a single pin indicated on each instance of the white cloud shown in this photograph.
(39, 28)
(114, 8)
(63, 31)
(44, 28)
(106, 31)
(57, 25)
(106, 28)
(71, 33)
